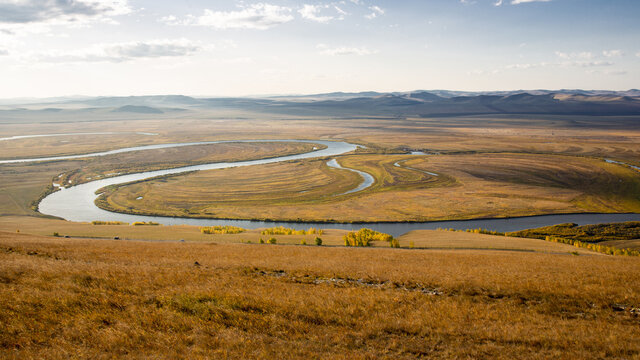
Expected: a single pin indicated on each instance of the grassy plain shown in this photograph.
(22, 183)
(419, 239)
(442, 239)
(467, 186)
(102, 299)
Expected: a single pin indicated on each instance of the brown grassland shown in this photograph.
(82, 298)
(419, 239)
(22, 183)
(468, 186)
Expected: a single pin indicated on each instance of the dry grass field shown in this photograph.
(22, 183)
(148, 160)
(81, 298)
(419, 239)
(468, 186)
(442, 239)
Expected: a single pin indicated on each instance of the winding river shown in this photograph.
(76, 203)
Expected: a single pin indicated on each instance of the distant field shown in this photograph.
(22, 183)
(467, 186)
(466, 136)
(103, 298)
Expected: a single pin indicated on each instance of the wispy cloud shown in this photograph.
(574, 55)
(517, 2)
(120, 52)
(344, 50)
(4, 52)
(60, 12)
(612, 53)
(375, 12)
(609, 72)
(583, 64)
(258, 16)
(313, 13)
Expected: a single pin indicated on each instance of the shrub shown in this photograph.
(221, 230)
(394, 243)
(97, 222)
(261, 241)
(142, 223)
(272, 240)
(56, 234)
(318, 241)
(303, 242)
(281, 230)
(363, 237)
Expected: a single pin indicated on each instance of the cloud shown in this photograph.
(516, 2)
(638, 54)
(612, 53)
(513, 2)
(60, 12)
(312, 12)
(258, 16)
(608, 72)
(120, 52)
(4, 52)
(569, 63)
(375, 12)
(344, 50)
(574, 55)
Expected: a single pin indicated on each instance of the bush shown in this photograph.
(272, 240)
(303, 242)
(142, 223)
(364, 236)
(318, 241)
(221, 230)
(394, 243)
(97, 222)
(261, 241)
(56, 234)
(281, 230)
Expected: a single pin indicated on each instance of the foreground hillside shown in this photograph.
(104, 298)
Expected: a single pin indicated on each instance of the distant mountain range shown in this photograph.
(432, 103)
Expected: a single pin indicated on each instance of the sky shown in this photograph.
(273, 47)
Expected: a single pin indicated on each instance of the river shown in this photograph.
(76, 203)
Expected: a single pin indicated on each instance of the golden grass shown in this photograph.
(468, 186)
(102, 299)
(428, 239)
(46, 227)
(442, 239)
(147, 160)
(21, 184)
